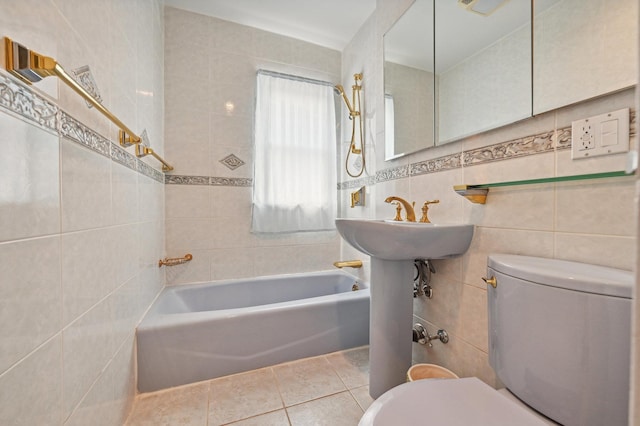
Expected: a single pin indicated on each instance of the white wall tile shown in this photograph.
(125, 194)
(82, 287)
(29, 185)
(188, 201)
(31, 392)
(88, 344)
(30, 296)
(596, 207)
(85, 187)
(109, 399)
(150, 199)
(232, 263)
(603, 250)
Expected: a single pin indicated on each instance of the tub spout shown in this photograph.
(348, 264)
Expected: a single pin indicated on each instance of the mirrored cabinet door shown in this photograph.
(453, 72)
(409, 82)
(582, 49)
(483, 67)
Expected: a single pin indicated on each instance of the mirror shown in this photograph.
(483, 66)
(409, 82)
(599, 57)
(481, 77)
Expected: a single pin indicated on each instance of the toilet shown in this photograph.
(559, 340)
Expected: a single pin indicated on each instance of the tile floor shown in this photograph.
(330, 390)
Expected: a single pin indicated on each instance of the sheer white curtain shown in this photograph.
(295, 179)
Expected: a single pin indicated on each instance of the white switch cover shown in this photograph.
(600, 135)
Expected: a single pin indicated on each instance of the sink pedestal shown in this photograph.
(390, 335)
(392, 247)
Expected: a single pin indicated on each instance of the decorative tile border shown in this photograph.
(221, 181)
(186, 180)
(72, 129)
(529, 145)
(440, 164)
(19, 100)
(206, 180)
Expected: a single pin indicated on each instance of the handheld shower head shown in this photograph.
(339, 91)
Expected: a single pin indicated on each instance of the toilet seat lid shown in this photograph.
(446, 402)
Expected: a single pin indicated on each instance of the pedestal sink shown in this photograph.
(393, 246)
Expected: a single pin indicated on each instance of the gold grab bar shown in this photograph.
(348, 264)
(142, 151)
(173, 261)
(31, 67)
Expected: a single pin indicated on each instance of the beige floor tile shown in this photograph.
(185, 406)
(242, 396)
(352, 366)
(275, 418)
(335, 410)
(307, 379)
(362, 397)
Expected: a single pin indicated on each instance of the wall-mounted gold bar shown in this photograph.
(173, 261)
(31, 67)
(143, 151)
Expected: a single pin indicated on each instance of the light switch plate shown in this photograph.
(602, 134)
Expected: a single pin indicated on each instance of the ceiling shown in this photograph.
(329, 23)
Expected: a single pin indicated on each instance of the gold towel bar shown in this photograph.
(173, 261)
(31, 67)
(142, 151)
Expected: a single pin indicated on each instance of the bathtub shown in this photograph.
(202, 331)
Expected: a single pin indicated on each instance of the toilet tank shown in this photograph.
(559, 337)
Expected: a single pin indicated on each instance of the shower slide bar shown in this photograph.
(31, 67)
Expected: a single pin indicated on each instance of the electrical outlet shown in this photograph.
(586, 139)
(602, 134)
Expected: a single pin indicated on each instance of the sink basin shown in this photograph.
(391, 240)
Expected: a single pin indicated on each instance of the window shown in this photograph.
(295, 155)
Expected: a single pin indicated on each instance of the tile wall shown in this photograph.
(81, 220)
(209, 114)
(591, 222)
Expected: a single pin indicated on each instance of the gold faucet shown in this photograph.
(425, 209)
(411, 215)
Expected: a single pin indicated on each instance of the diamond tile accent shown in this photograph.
(232, 162)
(144, 136)
(85, 79)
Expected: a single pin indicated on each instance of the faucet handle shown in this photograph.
(425, 210)
(398, 217)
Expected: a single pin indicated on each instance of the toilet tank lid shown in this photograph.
(565, 274)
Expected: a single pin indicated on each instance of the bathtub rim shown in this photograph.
(154, 319)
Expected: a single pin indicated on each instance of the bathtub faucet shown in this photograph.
(348, 264)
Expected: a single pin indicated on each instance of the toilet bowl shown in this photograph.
(543, 316)
(436, 402)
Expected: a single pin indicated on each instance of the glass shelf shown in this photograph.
(478, 193)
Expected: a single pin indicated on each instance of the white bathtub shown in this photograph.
(201, 331)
